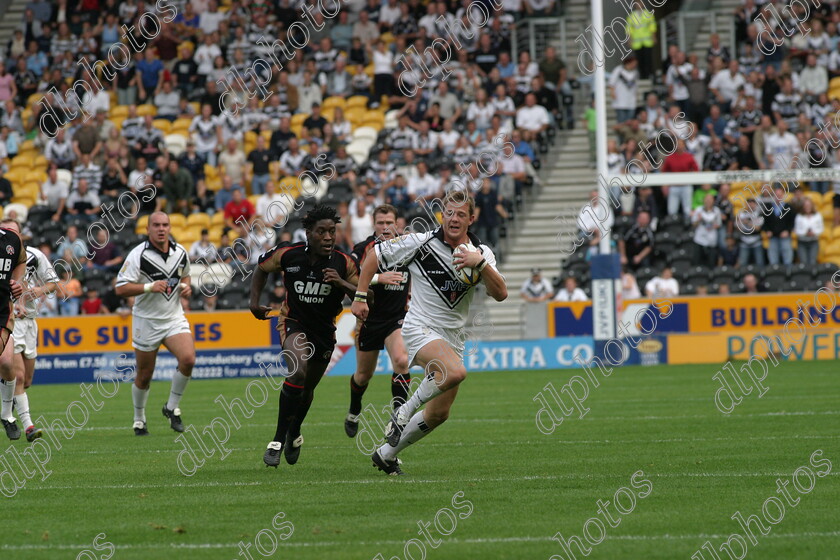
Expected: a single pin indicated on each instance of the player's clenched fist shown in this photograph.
(360, 310)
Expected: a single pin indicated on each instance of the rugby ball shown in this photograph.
(466, 275)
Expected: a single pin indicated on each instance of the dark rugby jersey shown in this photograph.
(12, 253)
(389, 302)
(309, 300)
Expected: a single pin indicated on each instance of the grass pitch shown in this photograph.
(523, 486)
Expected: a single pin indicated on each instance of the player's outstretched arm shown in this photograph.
(257, 284)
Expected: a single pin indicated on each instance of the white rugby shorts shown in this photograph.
(418, 336)
(149, 334)
(25, 334)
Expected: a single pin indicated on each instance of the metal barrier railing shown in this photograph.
(681, 28)
(535, 34)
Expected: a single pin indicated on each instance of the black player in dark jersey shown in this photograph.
(12, 269)
(383, 327)
(317, 277)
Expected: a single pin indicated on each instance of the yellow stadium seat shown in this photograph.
(33, 99)
(36, 176)
(23, 159)
(267, 135)
(334, 101)
(16, 174)
(356, 101)
(253, 198)
(182, 122)
(142, 224)
(375, 116)
(299, 118)
(297, 130)
(41, 161)
(369, 70)
(177, 221)
(215, 236)
(117, 122)
(251, 137)
(217, 219)
(196, 107)
(201, 219)
(119, 111)
(27, 201)
(355, 115)
(377, 125)
(163, 125)
(147, 109)
(827, 199)
(28, 189)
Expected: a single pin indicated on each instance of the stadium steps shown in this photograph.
(566, 187)
(10, 19)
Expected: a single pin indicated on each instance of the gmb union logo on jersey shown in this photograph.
(10, 250)
(311, 292)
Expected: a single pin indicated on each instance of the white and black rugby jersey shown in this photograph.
(437, 296)
(39, 272)
(147, 264)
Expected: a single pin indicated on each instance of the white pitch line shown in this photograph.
(506, 443)
(528, 419)
(388, 480)
(299, 544)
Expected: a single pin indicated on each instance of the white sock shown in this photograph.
(179, 383)
(139, 397)
(22, 406)
(415, 430)
(7, 395)
(427, 390)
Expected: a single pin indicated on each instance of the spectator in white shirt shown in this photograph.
(707, 220)
(536, 289)
(629, 286)
(725, 84)
(781, 147)
(54, 193)
(168, 102)
(813, 79)
(570, 292)
(532, 118)
(808, 226)
(203, 249)
(423, 186)
(624, 84)
(272, 208)
(209, 20)
(676, 79)
(663, 286)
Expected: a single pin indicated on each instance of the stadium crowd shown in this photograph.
(733, 109)
(221, 174)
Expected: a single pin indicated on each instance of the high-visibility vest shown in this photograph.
(641, 26)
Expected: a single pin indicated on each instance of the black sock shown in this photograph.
(356, 392)
(289, 399)
(302, 410)
(399, 388)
